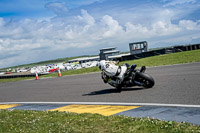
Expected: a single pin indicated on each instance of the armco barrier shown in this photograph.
(18, 75)
(161, 51)
(144, 54)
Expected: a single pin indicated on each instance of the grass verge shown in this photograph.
(160, 60)
(14, 79)
(168, 59)
(47, 121)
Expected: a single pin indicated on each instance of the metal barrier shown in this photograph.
(18, 75)
(161, 51)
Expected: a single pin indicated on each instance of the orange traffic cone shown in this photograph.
(36, 75)
(59, 73)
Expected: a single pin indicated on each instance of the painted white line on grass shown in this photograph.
(109, 103)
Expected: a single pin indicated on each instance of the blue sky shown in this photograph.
(37, 30)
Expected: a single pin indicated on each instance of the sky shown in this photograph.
(38, 30)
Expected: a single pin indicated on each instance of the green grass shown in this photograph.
(15, 79)
(17, 121)
(167, 59)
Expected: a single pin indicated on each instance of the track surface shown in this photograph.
(178, 84)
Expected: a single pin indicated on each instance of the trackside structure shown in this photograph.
(106, 52)
(84, 59)
(138, 47)
(168, 50)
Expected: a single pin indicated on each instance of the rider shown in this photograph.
(110, 69)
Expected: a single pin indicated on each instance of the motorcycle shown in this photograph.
(132, 77)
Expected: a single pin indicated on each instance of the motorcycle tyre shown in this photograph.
(146, 79)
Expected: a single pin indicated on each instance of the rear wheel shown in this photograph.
(146, 79)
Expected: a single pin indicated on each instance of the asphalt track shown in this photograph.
(177, 84)
(175, 96)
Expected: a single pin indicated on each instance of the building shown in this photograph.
(118, 57)
(138, 47)
(106, 52)
(84, 59)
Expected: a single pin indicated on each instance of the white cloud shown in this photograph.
(178, 2)
(161, 28)
(135, 29)
(2, 21)
(78, 3)
(189, 25)
(111, 26)
(87, 18)
(59, 8)
(27, 39)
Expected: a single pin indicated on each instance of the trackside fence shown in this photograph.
(160, 52)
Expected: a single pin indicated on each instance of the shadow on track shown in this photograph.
(111, 90)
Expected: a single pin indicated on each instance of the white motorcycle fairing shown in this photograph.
(112, 70)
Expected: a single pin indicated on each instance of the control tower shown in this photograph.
(138, 47)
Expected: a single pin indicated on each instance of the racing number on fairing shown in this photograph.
(107, 65)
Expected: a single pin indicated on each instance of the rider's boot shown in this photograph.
(143, 68)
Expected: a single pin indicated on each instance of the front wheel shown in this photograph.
(145, 79)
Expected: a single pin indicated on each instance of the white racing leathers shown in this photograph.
(113, 70)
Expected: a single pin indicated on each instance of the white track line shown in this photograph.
(109, 103)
